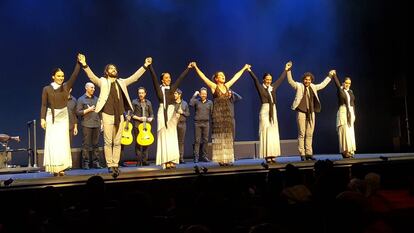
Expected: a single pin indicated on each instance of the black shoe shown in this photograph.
(182, 161)
(110, 169)
(115, 173)
(85, 166)
(204, 159)
(145, 163)
(302, 158)
(195, 159)
(310, 158)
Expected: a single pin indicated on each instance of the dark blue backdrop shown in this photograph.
(363, 39)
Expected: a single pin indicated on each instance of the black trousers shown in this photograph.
(181, 129)
(140, 151)
(90, 142)
(201, 131)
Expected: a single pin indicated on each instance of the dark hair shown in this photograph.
(55, 70)
(308, 74)
(179, 91)
(107, 67)
(347, 78)
(265, 75)
(142, 88)
(216, 74)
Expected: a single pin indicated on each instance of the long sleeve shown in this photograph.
(256, 81)
(292, 82)
(44, 104)
(186, 109)
(73, 77)
(156, 84)
(323, 84)
(193, 101)
(92, 76)
(133, 78)
(79, 107)
(280, 80)
(337, 83)
(179, 80)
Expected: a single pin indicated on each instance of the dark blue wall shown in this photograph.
(362, 39)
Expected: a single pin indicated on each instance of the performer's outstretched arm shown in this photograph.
(282, 76)
(203, 77)
(156, 84)
(133, 78)
(181, 78)
(237, 76)
(73, 77)
(88, 71)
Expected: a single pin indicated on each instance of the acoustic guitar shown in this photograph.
(126, 136)
(145, 137)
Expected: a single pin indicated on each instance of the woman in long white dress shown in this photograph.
(168, 154)
(345, 117)
(55, 121)
(269, 147)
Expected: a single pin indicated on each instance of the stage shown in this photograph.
(32, 178)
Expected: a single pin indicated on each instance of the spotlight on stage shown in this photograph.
(265, 165)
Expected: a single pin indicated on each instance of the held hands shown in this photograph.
(288, 66)
(247, 67)
(148, 61)
(82, 59)
(332, 73)
(196, 93)
(193, 65)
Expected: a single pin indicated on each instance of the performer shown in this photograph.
(182, 121)
(168, 154)
(269, 147)
(113, 101)
(234, 97)
(91, 126)
(306, 103)
(345, 118)
(73, 119)
(142, 112)
(222, 133)
(203, 109)
(54, 119)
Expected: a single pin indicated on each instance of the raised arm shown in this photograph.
(156, 83)
(237, 76)
(282, 76)
(193, 99)
(180, 79)
(203, 77)
(325, 82)
(133, 78)
(73, 77)
(88, 71)
(336, 79)
(291, 82)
